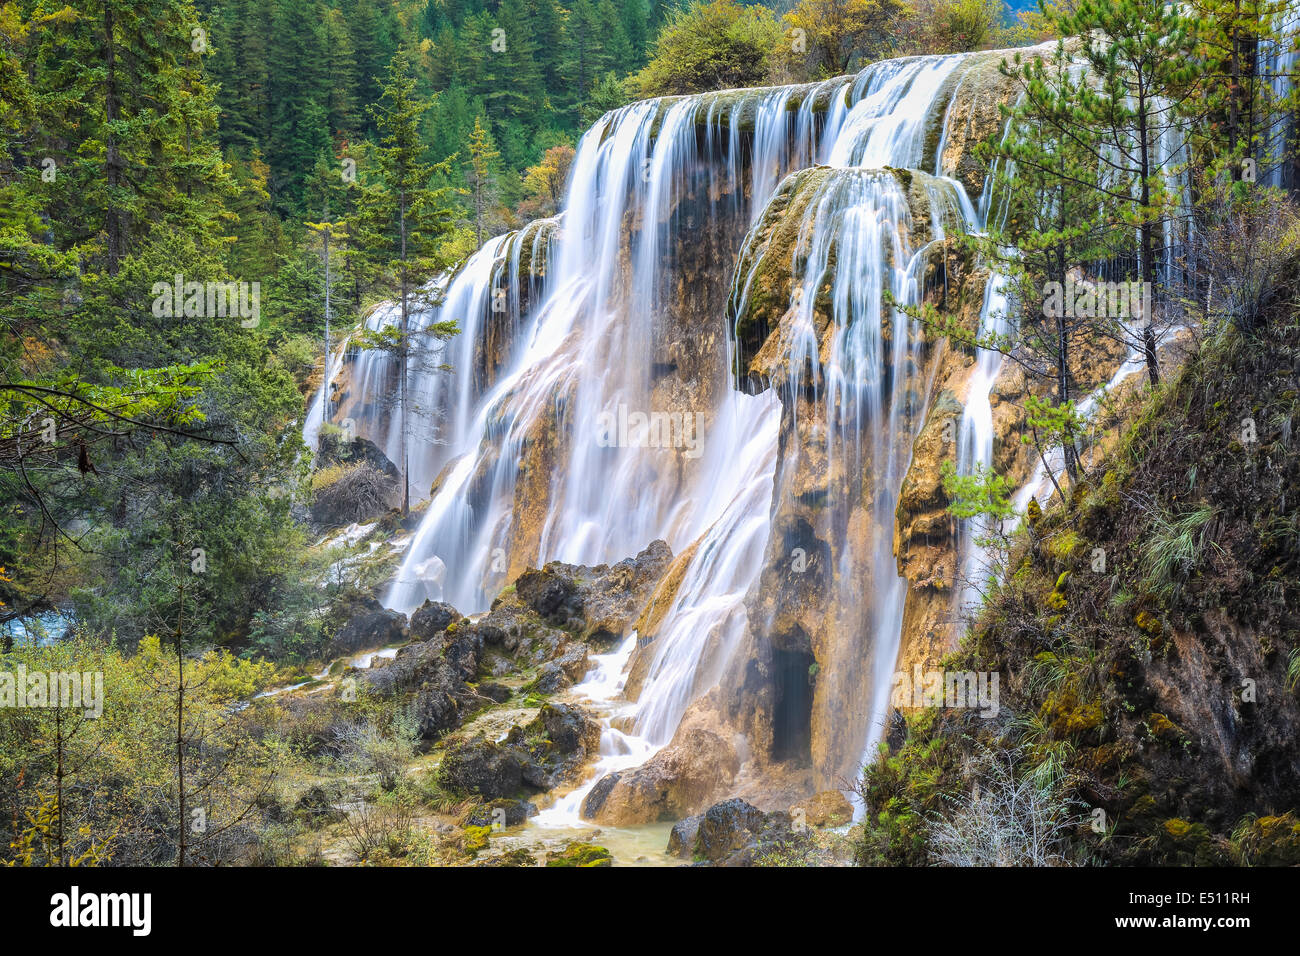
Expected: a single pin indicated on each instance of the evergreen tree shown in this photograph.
(480, 172)
(402, 223)
(586, 59)
(138, 140)
(1144, 83)
(299, 92)
(547, 28)
(1048, 226)
(340, 73)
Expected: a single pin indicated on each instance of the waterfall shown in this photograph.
(975, 435)
(1276, 64)
(584, 417)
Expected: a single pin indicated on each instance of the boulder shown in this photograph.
(497, 693)
(580, 854)
(551, 593)
(507, 812)
(431, 618)
(369, 625)
(551, 679)
(483, 767)
(437, 676)
(334, 448)
(599, 603)
(569, 730)
(317, 807)
(830, 808)
(727, 827)
(681, 841)
(679, 780)
(730, 833)
(556, 745)
(549, 750)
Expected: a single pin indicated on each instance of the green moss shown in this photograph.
(903, 789)
(1185, 842)
(475, 839)
(1163, 729)
(1065, 546)
(1070, 717)
(904, 176)
(1267, 841)
(581, 855)
(1148, 623)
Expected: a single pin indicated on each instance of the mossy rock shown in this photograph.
(1165, 730)
(1069, 716)
(1066, 546)
(475, 839)
(1033, 513)
(580, 854)
(1149, 623)
(1269, 841)
(1188, 842)
(511, 858)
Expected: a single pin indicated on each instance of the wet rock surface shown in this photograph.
(731, 833)
(679, 780)
(368, 625)
(550, 750)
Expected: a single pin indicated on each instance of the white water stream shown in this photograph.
(604, 281)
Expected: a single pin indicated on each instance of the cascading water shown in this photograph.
(442, 402)
(1276, 64)
(603, 421)
(975, 436)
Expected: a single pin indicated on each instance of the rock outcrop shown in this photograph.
(731, 833)
(536, 757)
(368, 624)
(682, 778)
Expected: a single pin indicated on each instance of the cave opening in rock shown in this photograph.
(792, 718)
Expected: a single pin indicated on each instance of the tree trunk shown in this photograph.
(325, 384)
(58, 779)
(1147, 233)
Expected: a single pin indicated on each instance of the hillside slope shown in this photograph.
(1151, 701)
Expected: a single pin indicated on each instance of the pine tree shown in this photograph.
(586, 60)
(636, 25)
(373, 48)
(547, 28)
(341, 74)
(480, 171)
(1245, 115)
(238, 67)
(1048, 225)
(514, 92)
(614, 41)
(1140, 54)
(142, 120)
(299, 92)
(402, 223)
